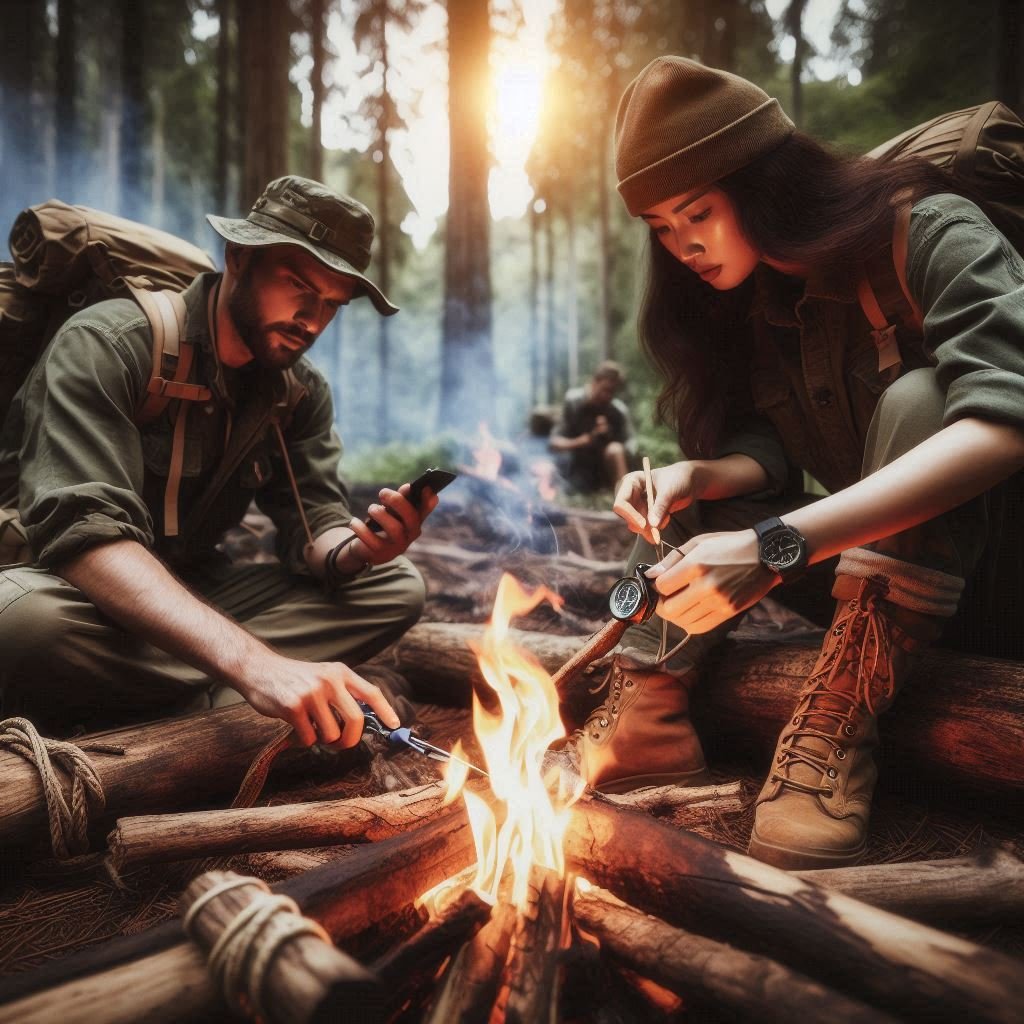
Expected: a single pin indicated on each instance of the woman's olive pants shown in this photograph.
(955, 545)
(63, 662)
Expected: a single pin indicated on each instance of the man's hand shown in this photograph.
(311, 697)
(398, 533)
(710, 579)
(601, 429)
(675, 488)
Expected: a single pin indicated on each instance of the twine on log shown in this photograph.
(240, 958)
(69, 826)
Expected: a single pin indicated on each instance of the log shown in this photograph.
(410, 967)
(987, 888)
(306, 979)
(346, 896)
(162, 838)
(725, 798)
(466, 992)
(528, 991)
(747, 986)
(892, 963)
(967, 735)
(170, 764)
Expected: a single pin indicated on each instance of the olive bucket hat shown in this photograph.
(336, 229)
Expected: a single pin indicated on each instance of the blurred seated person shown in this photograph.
(595, 433)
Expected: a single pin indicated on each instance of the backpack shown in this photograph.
(69, 257)
(982, 147)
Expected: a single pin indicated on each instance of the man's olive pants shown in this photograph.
(951, 545)
(63, 662)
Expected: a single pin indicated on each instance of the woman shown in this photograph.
(758, 237)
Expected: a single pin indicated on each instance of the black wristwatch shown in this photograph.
(781, 548)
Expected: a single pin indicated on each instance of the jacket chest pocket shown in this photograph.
(157, 450)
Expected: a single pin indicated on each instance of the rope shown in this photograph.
(69, 826)
(242, 955)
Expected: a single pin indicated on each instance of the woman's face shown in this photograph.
(702, 231)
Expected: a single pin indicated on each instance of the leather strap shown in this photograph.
(869, 303)
(900, 244)
(174, 472)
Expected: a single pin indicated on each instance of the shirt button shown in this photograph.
(208, 408)
(822, 397)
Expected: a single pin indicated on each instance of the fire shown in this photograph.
(486, 456)
(531, 823)
(544, 472)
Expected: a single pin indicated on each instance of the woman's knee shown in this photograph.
(909, 411)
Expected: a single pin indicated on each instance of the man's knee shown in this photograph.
(34, 626)
(399, 593)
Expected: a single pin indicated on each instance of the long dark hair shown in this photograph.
(801, 203)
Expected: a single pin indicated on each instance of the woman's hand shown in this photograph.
(675, 488)
(710, 579)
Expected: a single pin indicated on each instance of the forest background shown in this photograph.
(478, 133)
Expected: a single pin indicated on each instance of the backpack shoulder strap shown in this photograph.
(900, 247)
(165, 311)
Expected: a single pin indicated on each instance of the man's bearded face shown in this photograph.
(282, 300)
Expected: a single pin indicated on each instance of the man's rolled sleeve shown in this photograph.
(969, 282)
(81, 455)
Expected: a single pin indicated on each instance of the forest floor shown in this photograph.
(47, 911)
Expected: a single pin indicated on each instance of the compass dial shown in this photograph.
(626, 599)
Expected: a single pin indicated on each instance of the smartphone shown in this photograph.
(436, 479)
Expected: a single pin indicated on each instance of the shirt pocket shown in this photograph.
(157, 449)
(9, 591)
(256, 470)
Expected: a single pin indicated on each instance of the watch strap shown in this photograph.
(766, 526)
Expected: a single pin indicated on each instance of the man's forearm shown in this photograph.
(135, 589)
(960, 462)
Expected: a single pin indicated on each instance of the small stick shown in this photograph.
(655, 532)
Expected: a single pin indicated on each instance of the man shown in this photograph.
(595, 432)
(118, 615)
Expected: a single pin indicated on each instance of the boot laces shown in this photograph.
(863, 620)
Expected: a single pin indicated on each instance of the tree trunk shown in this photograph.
(264, 51)
(536, 393)
(606, 272)
(158, 191)
(134, 108)
(224, 130)
(1010, 34)
(383, 218)
(886, 961)
(553, 377)
(467, 356)
(317, 15)
(572, 316)
(66, 87)
(793, 20)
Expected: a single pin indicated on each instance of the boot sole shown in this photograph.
(796, 859)
(698, 777)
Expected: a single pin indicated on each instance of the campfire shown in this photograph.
(518, 894)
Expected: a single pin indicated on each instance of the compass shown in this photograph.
(633, 598)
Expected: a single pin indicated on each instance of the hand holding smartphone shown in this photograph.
(433, 478)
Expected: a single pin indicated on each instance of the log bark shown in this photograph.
(410, 966)
(983, 889)
(346, 896)
(968, 735)
(169, 764)
(888, 961)
(466, 992)
(307, 978)
(726, 798)
(528, 993)
(746, 986)
(162, 838)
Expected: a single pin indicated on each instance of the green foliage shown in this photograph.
(400, 462)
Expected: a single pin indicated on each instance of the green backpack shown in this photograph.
(983, 147)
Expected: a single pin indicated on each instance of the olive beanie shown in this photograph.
(681, 125)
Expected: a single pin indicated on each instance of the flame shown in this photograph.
(514, 738)
(544, 472)
(486, 456)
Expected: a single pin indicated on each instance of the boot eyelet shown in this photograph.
(828, 794)
(796, 720)
(604, 723)
(840, 753)
(615, 711)
(850, 730)
(629, 684)
(840, 629)
(832, 773)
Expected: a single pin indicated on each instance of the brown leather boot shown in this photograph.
(641, 735)
(813, 810)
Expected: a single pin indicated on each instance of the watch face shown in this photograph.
(781, 551)
(626, 599)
